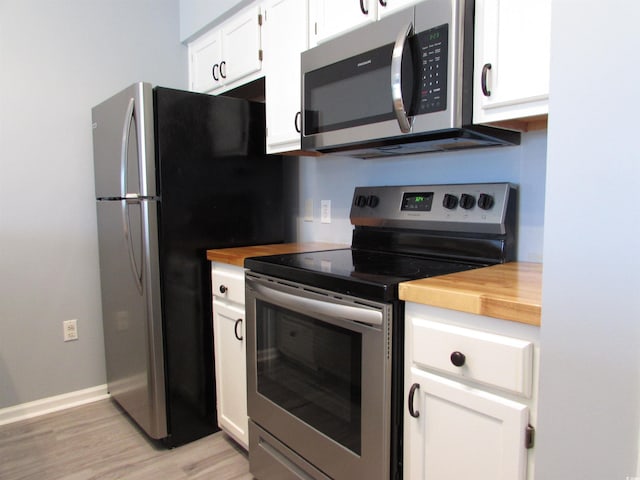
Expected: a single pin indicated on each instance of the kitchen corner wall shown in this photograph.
(334, 178)
(58, 59)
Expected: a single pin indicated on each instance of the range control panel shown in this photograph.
(478, 207)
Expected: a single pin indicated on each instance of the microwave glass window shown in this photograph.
(347, 93)
(357, 91)
(311, 369)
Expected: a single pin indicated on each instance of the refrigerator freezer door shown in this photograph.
(131, 317)
(123, 144)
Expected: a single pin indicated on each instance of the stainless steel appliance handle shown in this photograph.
(404, 121)
(126, 228)
(124, 143)
(128, 197)
(333, 310)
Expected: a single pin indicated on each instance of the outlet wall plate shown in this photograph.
(70, 329)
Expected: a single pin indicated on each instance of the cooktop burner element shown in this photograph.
(407, 232)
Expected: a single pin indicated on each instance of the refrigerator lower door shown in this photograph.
(131, 311)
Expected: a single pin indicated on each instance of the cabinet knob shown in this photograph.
(223, 289)
(458, 358)
(223, 73)
(363, 8)
(235, 329)
(412, 392)
(213, 72)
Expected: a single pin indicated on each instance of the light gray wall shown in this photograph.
(57, 60)
(590, 337)
(334, 178)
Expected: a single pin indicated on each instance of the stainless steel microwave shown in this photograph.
(397, 86)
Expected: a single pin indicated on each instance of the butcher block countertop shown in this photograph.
(510, 291)
(236, 255)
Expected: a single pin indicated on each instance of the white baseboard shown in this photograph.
(52, 404)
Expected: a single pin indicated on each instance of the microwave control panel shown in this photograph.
(432, 49)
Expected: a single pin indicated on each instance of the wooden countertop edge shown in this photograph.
(500, 300)
(237, 255)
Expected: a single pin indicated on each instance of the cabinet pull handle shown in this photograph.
(223, 64)
(296, 121)
(412, 392)
(213, 72)
(223, 289)
(363, 8)
(383, 3)
(483, 79)
(235, 329)
(458, 358)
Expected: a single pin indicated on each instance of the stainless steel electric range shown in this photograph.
(325, 329)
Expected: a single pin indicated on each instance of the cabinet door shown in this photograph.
(387, 7)
(513, 38)
(463, 432)
(241, 40)
(231, 370)
(333, 17)
(285, 36)
(204, 53)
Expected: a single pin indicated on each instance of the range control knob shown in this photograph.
(467, 201)
(449, 201)
(361, 201)
(485, 201)
(373, 201)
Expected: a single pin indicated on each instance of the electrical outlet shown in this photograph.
(70, 328)
(325, 211)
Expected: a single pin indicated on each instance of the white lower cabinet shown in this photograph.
(230, 351)
(470, 396)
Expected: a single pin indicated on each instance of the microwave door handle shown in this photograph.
(404, 121)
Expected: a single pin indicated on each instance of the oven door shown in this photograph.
(319, 378)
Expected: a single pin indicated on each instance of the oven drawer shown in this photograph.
(487, 358)
(227, 281)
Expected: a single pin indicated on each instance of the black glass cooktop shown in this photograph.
(361, 273)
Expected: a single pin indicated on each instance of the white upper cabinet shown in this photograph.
(331, 18)
(285, 36)
(387, 7)
(512, 52)
(229, 55)
(204, 53)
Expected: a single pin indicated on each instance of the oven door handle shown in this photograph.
(310, 305)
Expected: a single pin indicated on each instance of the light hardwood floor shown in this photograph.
(97, 441)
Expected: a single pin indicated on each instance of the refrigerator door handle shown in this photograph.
(124, 160)
(126, 227)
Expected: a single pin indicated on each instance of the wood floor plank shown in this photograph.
(99, 442)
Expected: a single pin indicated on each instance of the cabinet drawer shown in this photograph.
(495, 360)
(227, 282)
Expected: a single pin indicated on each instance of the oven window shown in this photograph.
(311, 369)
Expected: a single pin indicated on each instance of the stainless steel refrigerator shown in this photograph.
(176, 173)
